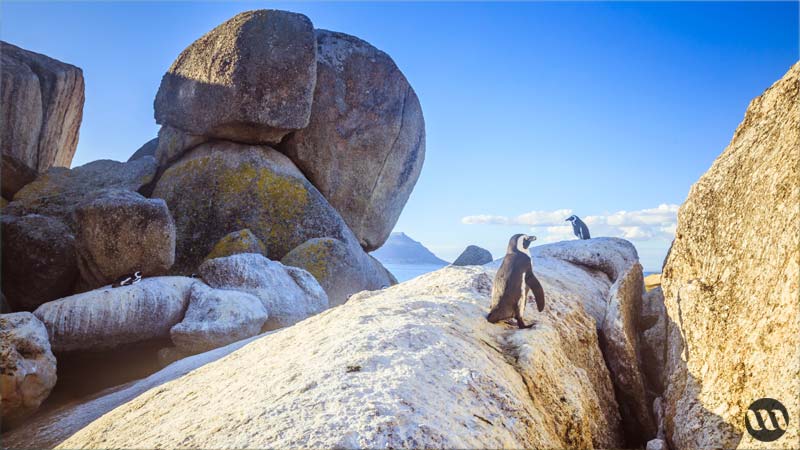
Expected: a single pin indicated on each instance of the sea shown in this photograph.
(405, 272)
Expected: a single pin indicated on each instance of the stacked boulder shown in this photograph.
(277, 141)
(473, 256)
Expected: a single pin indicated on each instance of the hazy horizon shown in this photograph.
(533, 111)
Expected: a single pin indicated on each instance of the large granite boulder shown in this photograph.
(39, 261)
(731, 283)
(147, 149)
(109, 317)
(413, 366)
(217, 317)
(27, 366)
(251, 79)
(618, 322)
(41, 110)
(473, 256)
(288, 294)
(121, 232)
(58, 191)
(221, 187)
(653, 339)
(242, 241)
(341, 269)
(365, 144)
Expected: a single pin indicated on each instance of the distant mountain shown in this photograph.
(401, 249)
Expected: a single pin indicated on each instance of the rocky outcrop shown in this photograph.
(27, 366)
(251, 79)
(473, 256)
(289, 294)
(172, 143)
(653, 339)
(39, 261)
(221, 187)
(119, 233)
(730, 283)
(365, 143)
(217, 317)
(242, 241)
(106, 318)
(148, 149)
(376, 371)
(341, 269)
(57, 192)
(41, 109)
(617, 322)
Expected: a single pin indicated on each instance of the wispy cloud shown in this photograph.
(644, 224)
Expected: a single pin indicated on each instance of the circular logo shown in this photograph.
(766, 419)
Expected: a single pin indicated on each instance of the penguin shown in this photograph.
(127, 280)
(578, 227)
(512, 282)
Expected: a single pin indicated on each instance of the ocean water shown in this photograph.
(405, 272)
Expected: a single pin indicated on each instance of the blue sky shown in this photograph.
(606, 110)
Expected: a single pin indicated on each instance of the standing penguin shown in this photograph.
(512, 282)
(578, 227)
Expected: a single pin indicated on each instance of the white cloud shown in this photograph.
(657, 223)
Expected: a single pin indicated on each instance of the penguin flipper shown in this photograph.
(536, 287)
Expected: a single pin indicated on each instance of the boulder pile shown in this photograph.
(285, 154)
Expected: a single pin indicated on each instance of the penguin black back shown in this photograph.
(514, 278)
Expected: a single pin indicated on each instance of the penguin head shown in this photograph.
(520, 243)
(571, 218)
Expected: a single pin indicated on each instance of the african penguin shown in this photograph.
(578, 227)
(127, 280)
(512, 282)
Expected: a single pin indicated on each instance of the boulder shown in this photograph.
(172, 143)
(341, 269)
(251, 79)
(39, 261)
(413, 366)
(217, 317)
(121, 232)
(653, 339)
(288, 294)
(15, 175)
(148, 149)
(730, 283)
(618, 322)
(57, 192)
(27, 366)
(365, 143)
(109, 317)
(656, 444)
(41, 108)
(473, 256)
(242, 241)
(221, 187)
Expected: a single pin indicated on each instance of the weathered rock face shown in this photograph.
(121, 232)
(341, 270)
(172, 143)
(251, 79)
(106, 318)
(365, 144)
(617, 322)
(27, 366)
(417, 346)
(730, 283)
(221, 187)
(57, 192)
(473, 256)
(217, 317)
(41, 108)
(39, 261)
(289, 294)
(653, 339)
(242, 241)
(15, 175)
